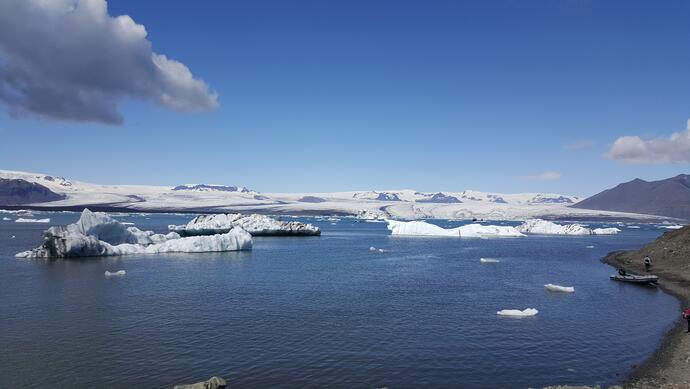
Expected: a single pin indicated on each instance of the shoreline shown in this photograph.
(669, 365)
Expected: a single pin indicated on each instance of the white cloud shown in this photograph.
(633, 149)
(550, 175)
(71, 60)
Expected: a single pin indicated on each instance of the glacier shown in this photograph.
(97, 234)
(256, 225)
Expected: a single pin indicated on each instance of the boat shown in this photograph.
(636, 279)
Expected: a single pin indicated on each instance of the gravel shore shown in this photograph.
(668, 367)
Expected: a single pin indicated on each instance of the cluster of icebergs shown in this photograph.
(533, 226)
(97, 234)
(256, 225)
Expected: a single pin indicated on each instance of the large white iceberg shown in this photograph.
(420, 228)
(97, 234)
(256, 225)
(545, 227)
(518, 313)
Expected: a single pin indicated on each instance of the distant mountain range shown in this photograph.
(669, 197)
(40, 191)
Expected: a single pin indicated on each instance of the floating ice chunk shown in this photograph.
(96, 234)
(488, 231)
(12, 237)
(420, 228)
(374, 249)
(590, 247)
(678, 227)
(118, 273)
(488, 260)
(518, 313)
(605, 231)
(256, 225)
(558, 288)
(545, 227)
(634, 227)
(6, 219)
(22, 220)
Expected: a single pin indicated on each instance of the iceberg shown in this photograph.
(482, 231)
(545, 227)
(678, 227)
(256, 225)
(420, 228)
(22, 220)
(97, 234)
(118, 273)
(488, 260)
(558, 288)
(605, 231)
(518, 313)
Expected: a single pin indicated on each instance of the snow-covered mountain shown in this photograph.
(401, 204)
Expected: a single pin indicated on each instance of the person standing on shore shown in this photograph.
(686, 316)
(647, 263)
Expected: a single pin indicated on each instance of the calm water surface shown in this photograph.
(325, 311)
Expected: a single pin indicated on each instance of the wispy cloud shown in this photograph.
(635, 150)
(579, 145)
(545, 176)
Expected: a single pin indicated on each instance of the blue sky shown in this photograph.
(442, 95)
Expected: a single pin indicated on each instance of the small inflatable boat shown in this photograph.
(635, 279)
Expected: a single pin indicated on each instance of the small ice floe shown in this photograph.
(127, 223)
(558, 288)
(12, 237)
(673, 227)
(590, 247)
(634, 227)
(118, 273)
(518, 313)
(22, 220)
(374, 249)
(6, 219)
(488, 260)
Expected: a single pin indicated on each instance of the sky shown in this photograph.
(569, 96)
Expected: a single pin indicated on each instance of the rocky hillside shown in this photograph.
(669, 197)
(18, 192)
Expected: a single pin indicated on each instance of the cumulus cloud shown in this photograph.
(633, 149)
(550, 175)
(71, 60)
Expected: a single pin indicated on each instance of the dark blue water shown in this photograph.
(324, 311)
